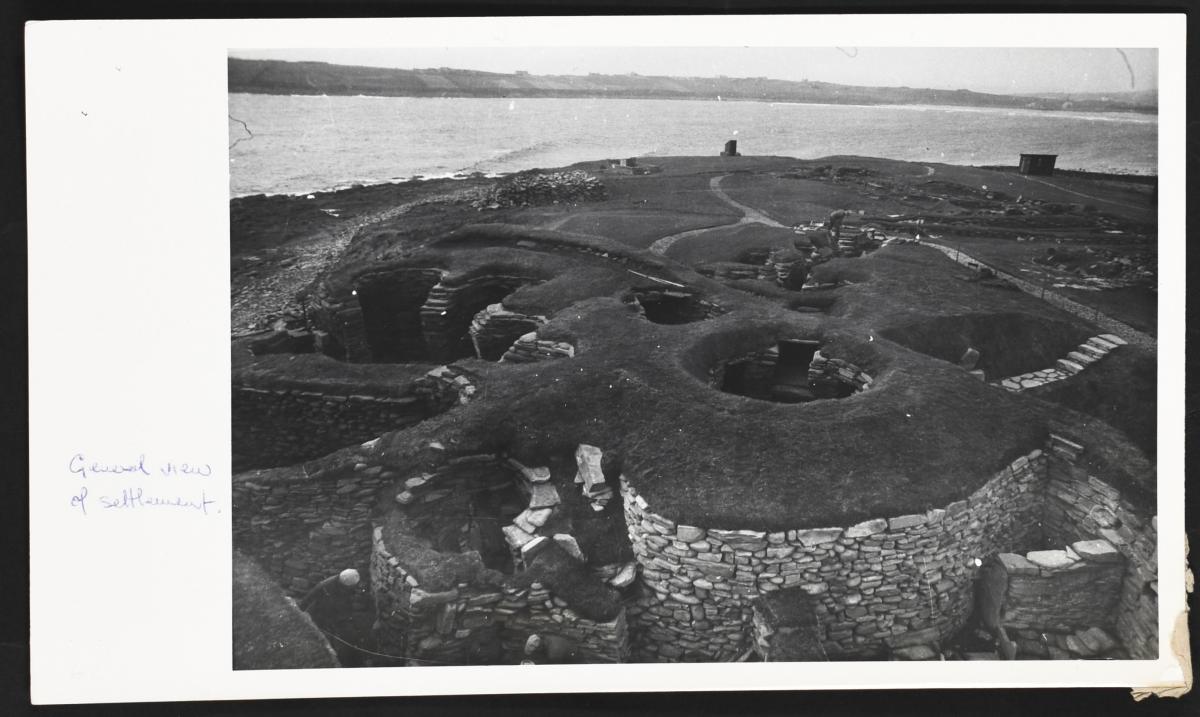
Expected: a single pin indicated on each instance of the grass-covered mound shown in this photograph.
(269, 631)
(745, 243)
(641, 227)
(1120, 391)
(318, 372)
(924, 433)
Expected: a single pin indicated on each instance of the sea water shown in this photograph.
(304, 143)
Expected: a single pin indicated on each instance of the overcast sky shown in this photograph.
(1000, 70)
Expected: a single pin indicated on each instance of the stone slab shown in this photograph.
(568, 543)
(1016, 565)
(1097, 551)
(867, 528)
(817, 536)
(1050, 559)
(906, 521)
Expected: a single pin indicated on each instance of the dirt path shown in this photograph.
(749, 216)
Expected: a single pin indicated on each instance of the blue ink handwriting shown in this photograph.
(80, 501)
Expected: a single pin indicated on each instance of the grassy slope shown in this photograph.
(269, 631)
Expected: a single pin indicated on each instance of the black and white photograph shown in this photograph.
(693, 355)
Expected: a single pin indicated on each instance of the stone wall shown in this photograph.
(305, 524)
(451, 307)
(480, 621)
(1085, 355)
(529, 349)
(380, 321)
(1061, 589)
(735, 271)
(436, 599)
(824, 369)
(494, 330)
(877, 584)
(445, 387)
(283, 426)
(1080, 506)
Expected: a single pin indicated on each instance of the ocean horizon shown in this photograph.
(300, 144)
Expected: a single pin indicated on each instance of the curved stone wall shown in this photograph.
(824, 369)
(436, 600)
(494, 330)
(881, 583)
(529, 349)
(450, 308)
(379, 320)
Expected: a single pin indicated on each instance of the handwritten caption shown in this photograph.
(139, 484)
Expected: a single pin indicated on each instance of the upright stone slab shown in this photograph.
(588, 459)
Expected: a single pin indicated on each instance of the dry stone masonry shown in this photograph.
(494, 330)
(1085, 355)
(529, 349)
(874, 587)
(1024, 541)
(826, 370)
(1054, 603)
(439, 598)
(1080, 506)
(276, 426)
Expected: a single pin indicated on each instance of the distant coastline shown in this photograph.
(319, 78)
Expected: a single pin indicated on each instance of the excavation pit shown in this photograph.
(998, 344)
(667, 306)
(469, 518)
(791, 371)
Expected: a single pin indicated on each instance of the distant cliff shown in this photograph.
(320, 78)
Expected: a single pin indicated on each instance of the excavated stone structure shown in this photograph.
(572, 437)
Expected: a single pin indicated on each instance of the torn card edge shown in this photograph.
(1180, 646)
